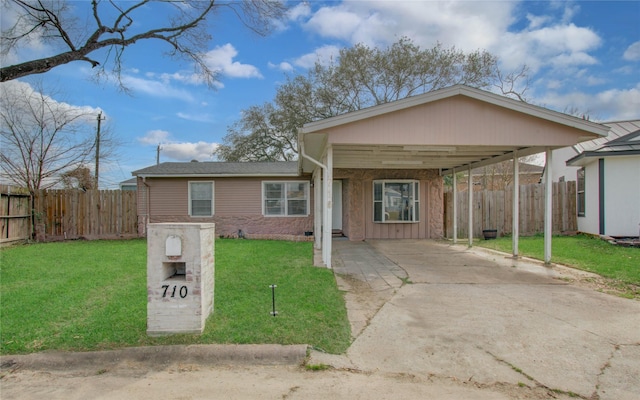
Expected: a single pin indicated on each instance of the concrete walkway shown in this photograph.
(435, 309)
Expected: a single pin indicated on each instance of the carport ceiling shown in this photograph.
(445, 158)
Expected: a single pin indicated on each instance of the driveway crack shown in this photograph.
(538, 383)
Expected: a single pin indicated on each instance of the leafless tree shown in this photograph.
(112, 27)
(79, 178)
(360, 77)
(40, 138)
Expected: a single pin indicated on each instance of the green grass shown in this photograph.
(83, 295)
(588, 253)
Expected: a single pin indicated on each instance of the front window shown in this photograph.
(580, 193)
(396, 201)
(201, 199)
(285, 198)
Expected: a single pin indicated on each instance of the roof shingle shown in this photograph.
(211, 168)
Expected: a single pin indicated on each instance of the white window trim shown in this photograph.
(583, 212)
(416, 194)
(286, 211)
(213, 191)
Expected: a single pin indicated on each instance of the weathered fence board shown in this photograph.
(494, 210)
(15, 214)
(94, 214)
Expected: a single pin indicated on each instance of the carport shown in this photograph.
(409, 145)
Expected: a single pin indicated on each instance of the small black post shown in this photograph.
(273, 297)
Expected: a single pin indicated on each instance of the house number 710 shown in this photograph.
(182, 292)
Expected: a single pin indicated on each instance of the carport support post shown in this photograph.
(515, 230)
(327, 207)
(455, 208)
(470, 189)
(548, 207)
(317, 208)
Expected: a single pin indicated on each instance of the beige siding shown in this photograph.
(358, 205)
(237, 206)
(168, 196)
(238, 196)
(456, 121)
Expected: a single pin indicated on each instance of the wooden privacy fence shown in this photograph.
(94, 214)
(494, 210)
(15, 214)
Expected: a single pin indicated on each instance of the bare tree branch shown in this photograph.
(41, 138)
(185, 30)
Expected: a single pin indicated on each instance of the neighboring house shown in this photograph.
(375, 173)
(608, 187)
(129, 184)
(260, 200)
(500, 176)
(564, 172)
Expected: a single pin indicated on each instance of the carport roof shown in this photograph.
(448, 129)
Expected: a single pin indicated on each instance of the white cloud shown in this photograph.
(595, 81)
(32, 46)
(324, 55)
(560, 46)
(195, 117)
(156, 88)
(468, 25)
(611, 105)
(536, 21)
(154, 137)
(24, 91)
(299, 11)
(338, 22)
(283, 66)
(633, 52)
(221, 58)
(178, 151)
(546, 39)
(188, 151)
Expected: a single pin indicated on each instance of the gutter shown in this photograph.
(308, 157)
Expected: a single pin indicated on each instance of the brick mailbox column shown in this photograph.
(180, 277)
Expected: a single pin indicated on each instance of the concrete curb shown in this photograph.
(158, 357)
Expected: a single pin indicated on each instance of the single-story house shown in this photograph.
(608, 187)
(250, 199)
(564, 172)
(129, 184)
(375, 173)
(500, 175)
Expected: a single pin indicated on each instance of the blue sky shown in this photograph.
(582, 55)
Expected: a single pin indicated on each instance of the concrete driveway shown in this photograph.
(433, 309)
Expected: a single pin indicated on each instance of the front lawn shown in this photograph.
(621, 265)
(91, 295)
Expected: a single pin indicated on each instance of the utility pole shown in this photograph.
(158, 154)
(98, 149)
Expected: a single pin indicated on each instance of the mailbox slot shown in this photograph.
(174, 271)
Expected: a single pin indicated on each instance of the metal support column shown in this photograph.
(548, 207)
(515, 230)
(455, 208)
(470, 189)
